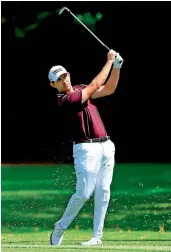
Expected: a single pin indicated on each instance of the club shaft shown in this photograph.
(90, 31)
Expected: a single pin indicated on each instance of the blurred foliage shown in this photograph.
(20, 33)
(43, 15)
(87, 18)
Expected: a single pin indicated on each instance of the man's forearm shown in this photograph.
(100, 79)
(114, 78)
(111, 84)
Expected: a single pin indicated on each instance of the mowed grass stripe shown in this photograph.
(114, 247)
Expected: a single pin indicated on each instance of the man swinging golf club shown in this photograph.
(93, 151)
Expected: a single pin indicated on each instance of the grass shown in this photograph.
(35, 196)
(112, 241)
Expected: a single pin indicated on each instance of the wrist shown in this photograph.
(110, 61)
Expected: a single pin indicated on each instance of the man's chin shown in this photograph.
(68, 88)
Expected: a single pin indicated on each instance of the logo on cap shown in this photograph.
(57, 70)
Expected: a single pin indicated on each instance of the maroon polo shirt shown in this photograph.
(84, 119)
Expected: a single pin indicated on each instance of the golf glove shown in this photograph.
(118, 61)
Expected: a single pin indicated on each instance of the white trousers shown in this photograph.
(94, 164)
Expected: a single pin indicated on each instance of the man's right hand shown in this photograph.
(111, 55)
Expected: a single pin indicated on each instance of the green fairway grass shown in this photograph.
(112, 241)
(35, 196)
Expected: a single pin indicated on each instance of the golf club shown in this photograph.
(65, 8)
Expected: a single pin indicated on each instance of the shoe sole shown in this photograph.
(51, 239)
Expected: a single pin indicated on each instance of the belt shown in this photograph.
(94, 140)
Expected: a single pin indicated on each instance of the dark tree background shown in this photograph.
(137, 115)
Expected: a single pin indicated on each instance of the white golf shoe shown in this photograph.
(57, 235)
(92, 242)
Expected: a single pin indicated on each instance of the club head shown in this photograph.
(61, 10)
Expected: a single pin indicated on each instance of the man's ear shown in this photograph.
(52, 84)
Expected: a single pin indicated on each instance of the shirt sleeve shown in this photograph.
(83, 86)
(73, 99)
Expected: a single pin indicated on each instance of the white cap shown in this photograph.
(55, 72)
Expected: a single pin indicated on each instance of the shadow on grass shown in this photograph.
(36, 196)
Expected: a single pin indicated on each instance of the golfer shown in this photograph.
(93, 151)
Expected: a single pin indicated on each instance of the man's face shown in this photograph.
(63, 84)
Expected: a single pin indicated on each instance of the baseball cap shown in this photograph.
(55, 72)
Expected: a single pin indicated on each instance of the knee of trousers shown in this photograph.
(82, 196)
